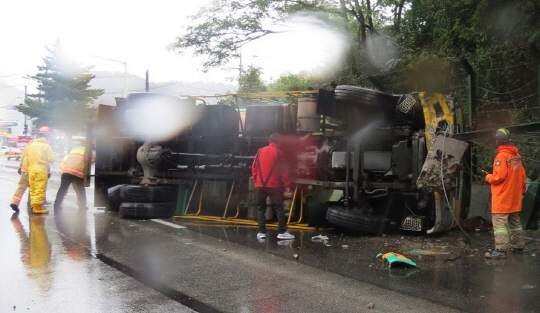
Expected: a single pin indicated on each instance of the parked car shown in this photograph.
(14, 152)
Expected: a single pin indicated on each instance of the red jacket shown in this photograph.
(269, 157)
(507, 181)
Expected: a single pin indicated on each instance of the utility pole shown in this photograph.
(471, 84)
(536, 56)
(125, 71)
(147, 82)
(25, 132)
(240, 70)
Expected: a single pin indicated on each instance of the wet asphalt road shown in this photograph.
(94, 262)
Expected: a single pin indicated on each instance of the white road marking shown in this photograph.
(173, 225)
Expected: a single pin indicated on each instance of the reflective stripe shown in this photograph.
(17, 197)
(516, 229)
(73, 171)
(500, 231)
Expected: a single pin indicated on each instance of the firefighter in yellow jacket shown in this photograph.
(38, 156)
(73, 170)
(507, 189)
(21, 186)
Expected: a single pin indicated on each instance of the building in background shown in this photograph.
(11, 123)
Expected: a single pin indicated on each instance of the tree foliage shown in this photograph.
(220, 30)
(250, 81)
(290, 82)
(64, 93)
(404, 46)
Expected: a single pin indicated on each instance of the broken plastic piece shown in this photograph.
(319, 238)
(392, 257)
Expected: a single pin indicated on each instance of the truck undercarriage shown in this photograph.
(355, 158)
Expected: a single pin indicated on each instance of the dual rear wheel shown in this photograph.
(144, 202)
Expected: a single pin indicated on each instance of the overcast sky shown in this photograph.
(136, 33)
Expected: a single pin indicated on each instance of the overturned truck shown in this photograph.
(359, 159)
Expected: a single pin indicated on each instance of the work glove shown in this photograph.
(19, 171)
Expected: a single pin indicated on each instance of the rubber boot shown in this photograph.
(38, 209)
(14, 207)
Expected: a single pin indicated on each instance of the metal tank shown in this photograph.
(308, 120)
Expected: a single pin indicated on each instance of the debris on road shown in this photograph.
(528, 287)
(321, 238)
(397, 258)
(427, 252)
(452, 259)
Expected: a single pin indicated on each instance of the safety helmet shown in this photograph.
(502, 135)
(45, 130)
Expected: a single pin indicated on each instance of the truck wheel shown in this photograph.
(354, 221)
(148, 194)
(113, 195)
(146, 210)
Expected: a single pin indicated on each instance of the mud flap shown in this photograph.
(444, 219)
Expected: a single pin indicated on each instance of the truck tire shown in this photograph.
(365, 97)
(354, 221)
(148, 194)
(146, 210)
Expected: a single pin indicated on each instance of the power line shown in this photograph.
(12, 75)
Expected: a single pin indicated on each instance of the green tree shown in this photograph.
(219, 31)
(428, 39)
(250, 81)
(291, 82)
(64, 93)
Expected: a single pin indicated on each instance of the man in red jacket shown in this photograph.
(271, 181)
(507, 189)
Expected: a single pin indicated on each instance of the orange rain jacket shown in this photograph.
(507, 181)
(269, 162)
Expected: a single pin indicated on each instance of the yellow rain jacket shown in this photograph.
(507, 181)
(38, 156)
(22, 166)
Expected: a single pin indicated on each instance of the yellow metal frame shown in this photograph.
(255, 95)
(432, 119)
(236, 221)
